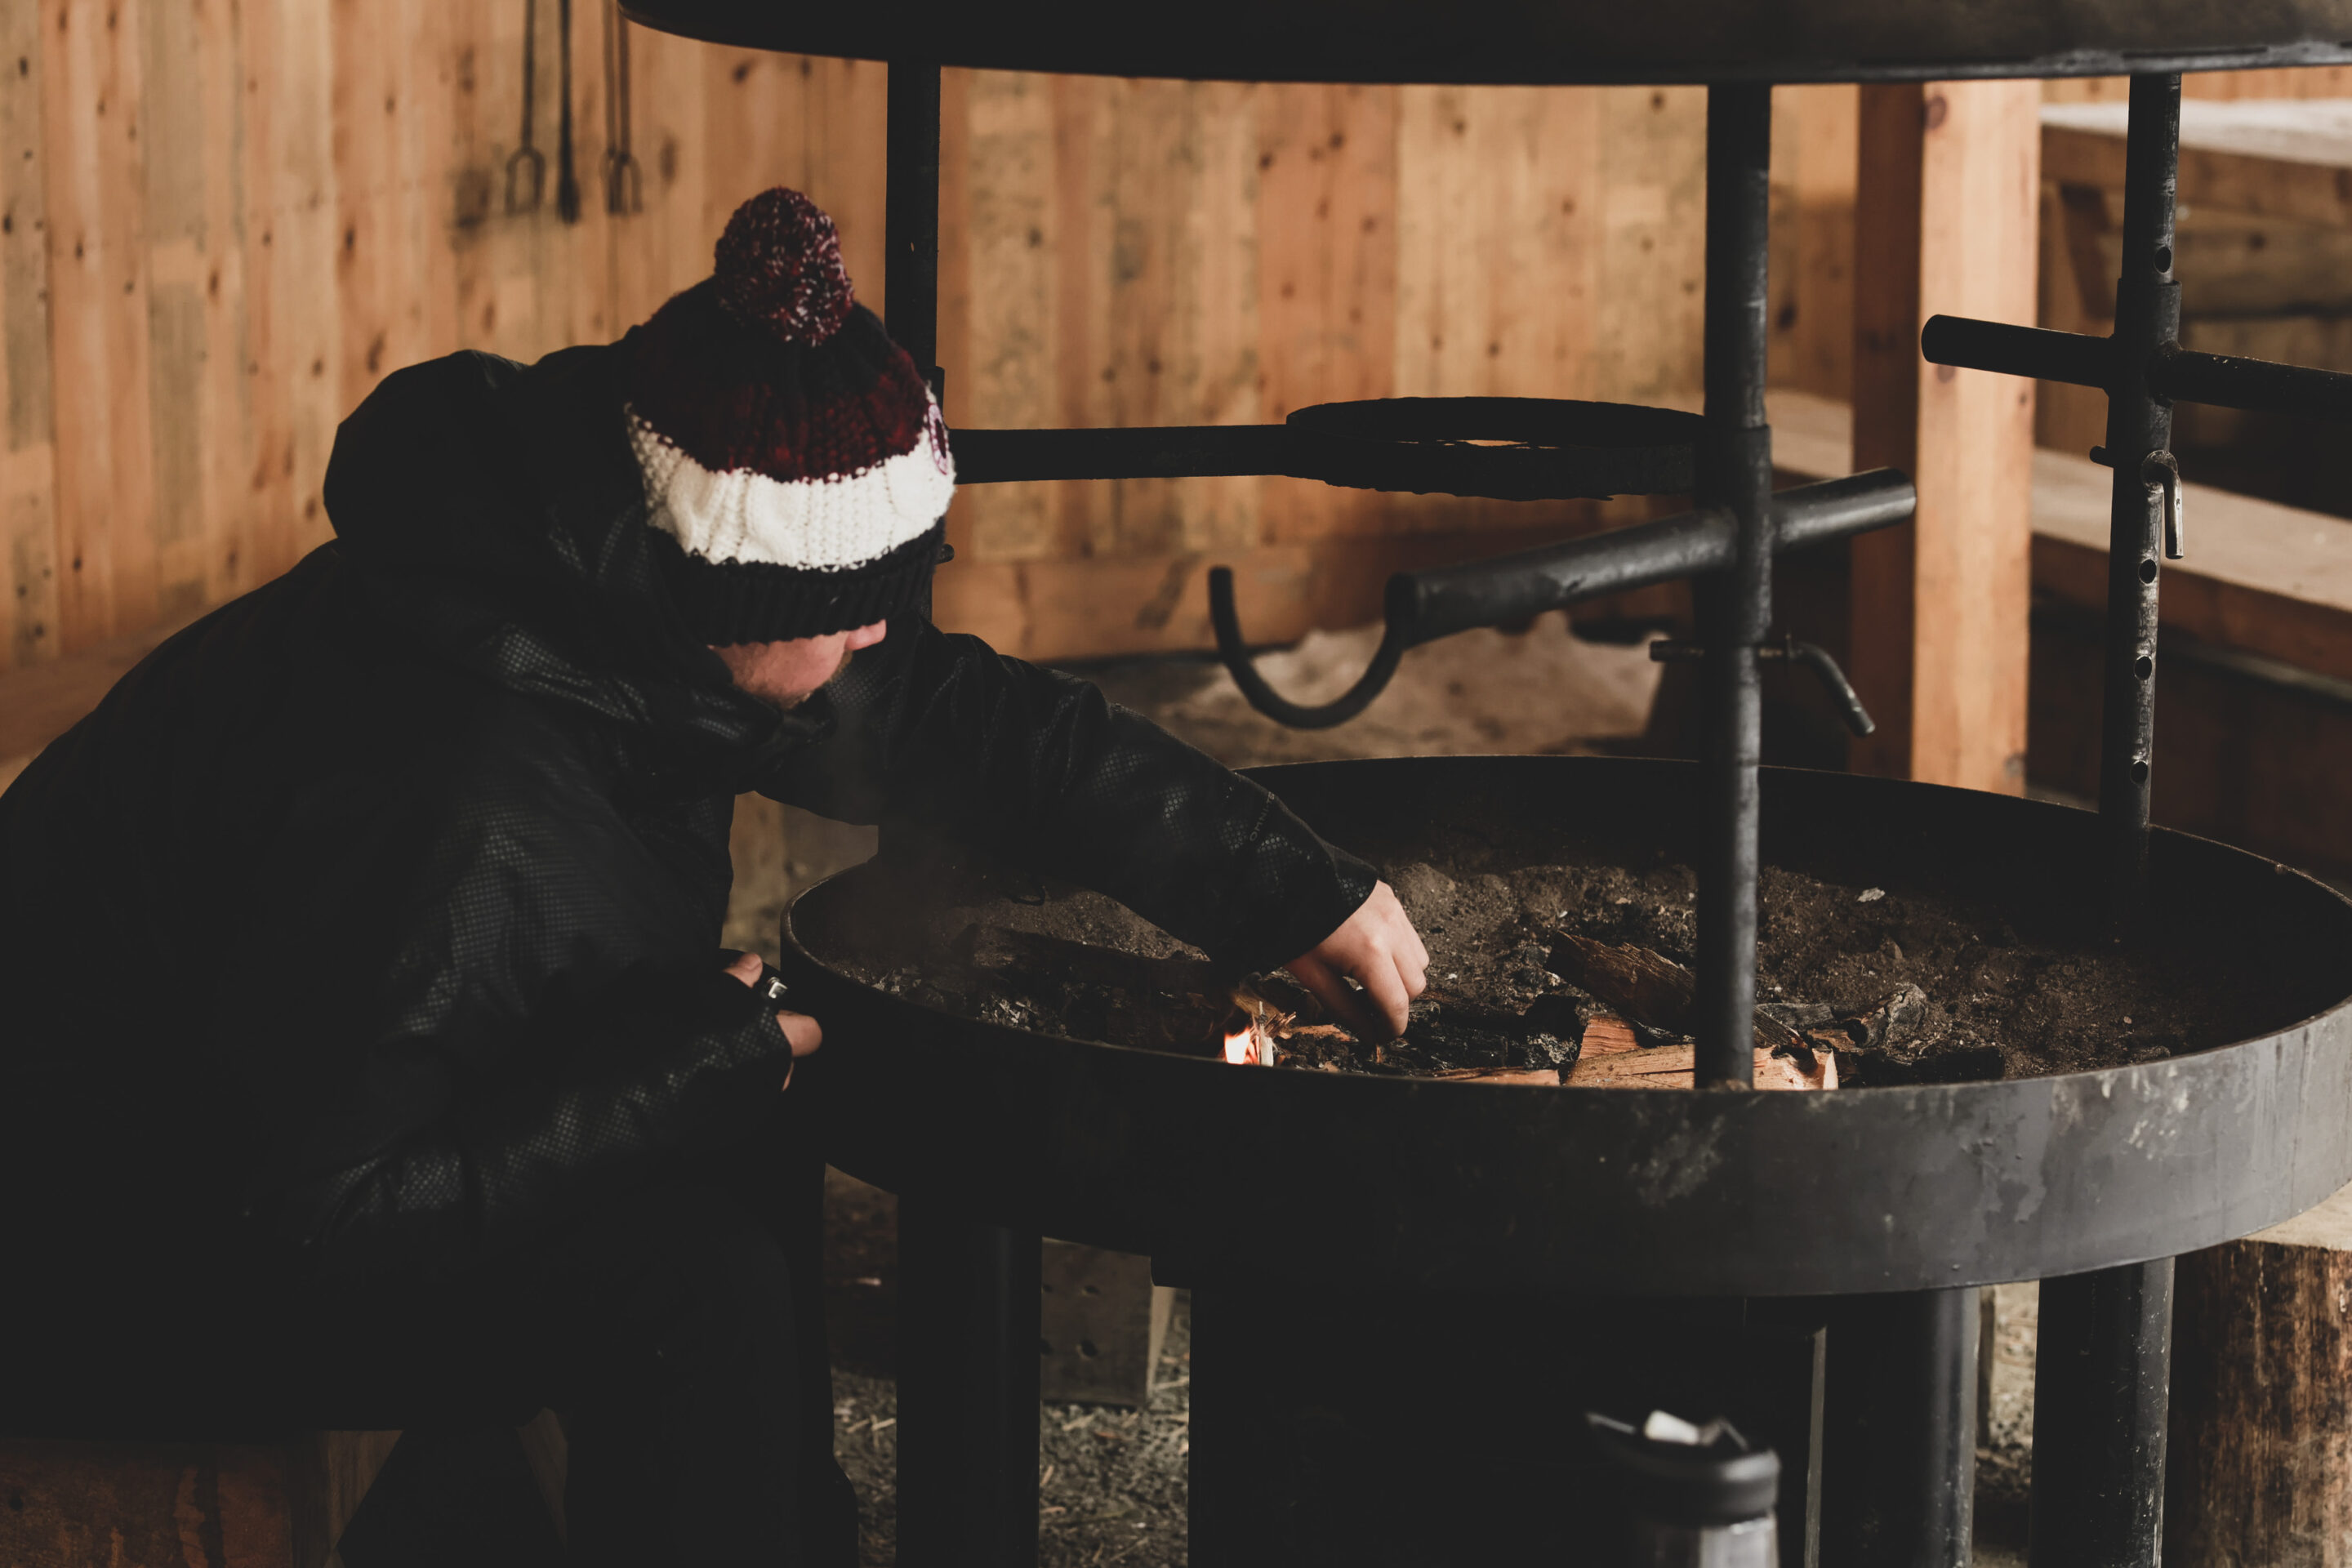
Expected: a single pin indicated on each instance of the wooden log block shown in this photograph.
(2260, 1468)
(1101, 1324)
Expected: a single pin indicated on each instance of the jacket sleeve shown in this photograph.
(499, 1024)
(1037, 768)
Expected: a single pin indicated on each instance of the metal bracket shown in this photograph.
(2160, 472)
(1812, 655)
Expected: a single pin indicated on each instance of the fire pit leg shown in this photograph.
(1735, 474)
(1899, 1463)
(2102, 1382)
(967, 1392)
(2102, 1376)
(1232, 1505)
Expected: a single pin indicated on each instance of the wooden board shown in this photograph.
(2280, 159)
(221, 226)
(1947, 209)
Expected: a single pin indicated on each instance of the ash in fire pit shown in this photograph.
(1579, 975)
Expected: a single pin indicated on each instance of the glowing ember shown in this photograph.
(1242, 1048)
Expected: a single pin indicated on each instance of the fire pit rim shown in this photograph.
(2126, 1162)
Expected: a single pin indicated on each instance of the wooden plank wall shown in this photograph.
(221, 225)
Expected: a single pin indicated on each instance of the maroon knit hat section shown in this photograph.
(779, 266)
(731, 399)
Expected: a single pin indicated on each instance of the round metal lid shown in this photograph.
(1544, 41)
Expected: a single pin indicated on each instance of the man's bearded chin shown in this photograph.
(783, 703)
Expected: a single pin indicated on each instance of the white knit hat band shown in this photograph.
(833, 524)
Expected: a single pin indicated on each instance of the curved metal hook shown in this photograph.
(1264, 698)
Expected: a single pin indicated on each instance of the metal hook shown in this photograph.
(1264, 698)
(527, 159)
(1812, 655)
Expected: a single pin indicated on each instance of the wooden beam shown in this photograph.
(1946, 221)
(2276, 159)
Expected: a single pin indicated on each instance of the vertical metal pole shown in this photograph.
(2102, 1377)
(967, 1362)
(911, 227)
(2102, 1386)
(1735, 475)
(1899, 1475)
(910, 220)
(968, 1373)
(2147, 319)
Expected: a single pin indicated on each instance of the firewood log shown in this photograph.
(2260, 1455)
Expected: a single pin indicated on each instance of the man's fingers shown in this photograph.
(746, 968)
(1386, 988)
(1328, 989)
(801, 1031)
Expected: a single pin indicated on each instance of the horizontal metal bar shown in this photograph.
(1162, 452)
(1439, 602)
(2228, 380)
(1831, 510)
(2072, 357)
(2181, 375)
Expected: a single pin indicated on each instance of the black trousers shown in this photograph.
(678, 1330)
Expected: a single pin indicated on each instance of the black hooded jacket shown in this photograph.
(375, 915)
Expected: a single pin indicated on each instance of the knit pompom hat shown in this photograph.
(795, 464)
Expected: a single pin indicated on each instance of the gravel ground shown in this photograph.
(1111, 1482)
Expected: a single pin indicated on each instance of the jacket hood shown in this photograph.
(498, 513)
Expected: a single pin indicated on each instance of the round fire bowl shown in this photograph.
(1393, 1182)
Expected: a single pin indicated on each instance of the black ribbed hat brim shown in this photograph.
(726, 602)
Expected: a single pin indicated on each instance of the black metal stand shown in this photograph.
(1900, 1473)
(968, 1372)
(2102, 1382)
(1735, 477)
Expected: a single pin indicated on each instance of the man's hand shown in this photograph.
(1377, 947)
(801, 1031)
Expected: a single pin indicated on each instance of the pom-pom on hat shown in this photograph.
(797, 467)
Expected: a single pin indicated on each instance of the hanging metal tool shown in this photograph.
(567, 177)
(527, 159)
(624, 183)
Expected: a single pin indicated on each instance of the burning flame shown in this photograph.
(1249, 1035)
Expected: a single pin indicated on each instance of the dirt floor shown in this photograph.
(1113, 1481)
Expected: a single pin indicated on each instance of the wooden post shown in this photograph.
(2260, 1445)
(1946, 220)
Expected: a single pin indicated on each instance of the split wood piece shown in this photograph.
(1651, 990)
(2259, 1458)
(1614, 1057)
(1548, 1077)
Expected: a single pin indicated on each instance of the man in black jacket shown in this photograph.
(371, 1058)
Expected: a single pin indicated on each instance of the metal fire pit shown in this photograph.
(1419, 1184)
(2110, 1173)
